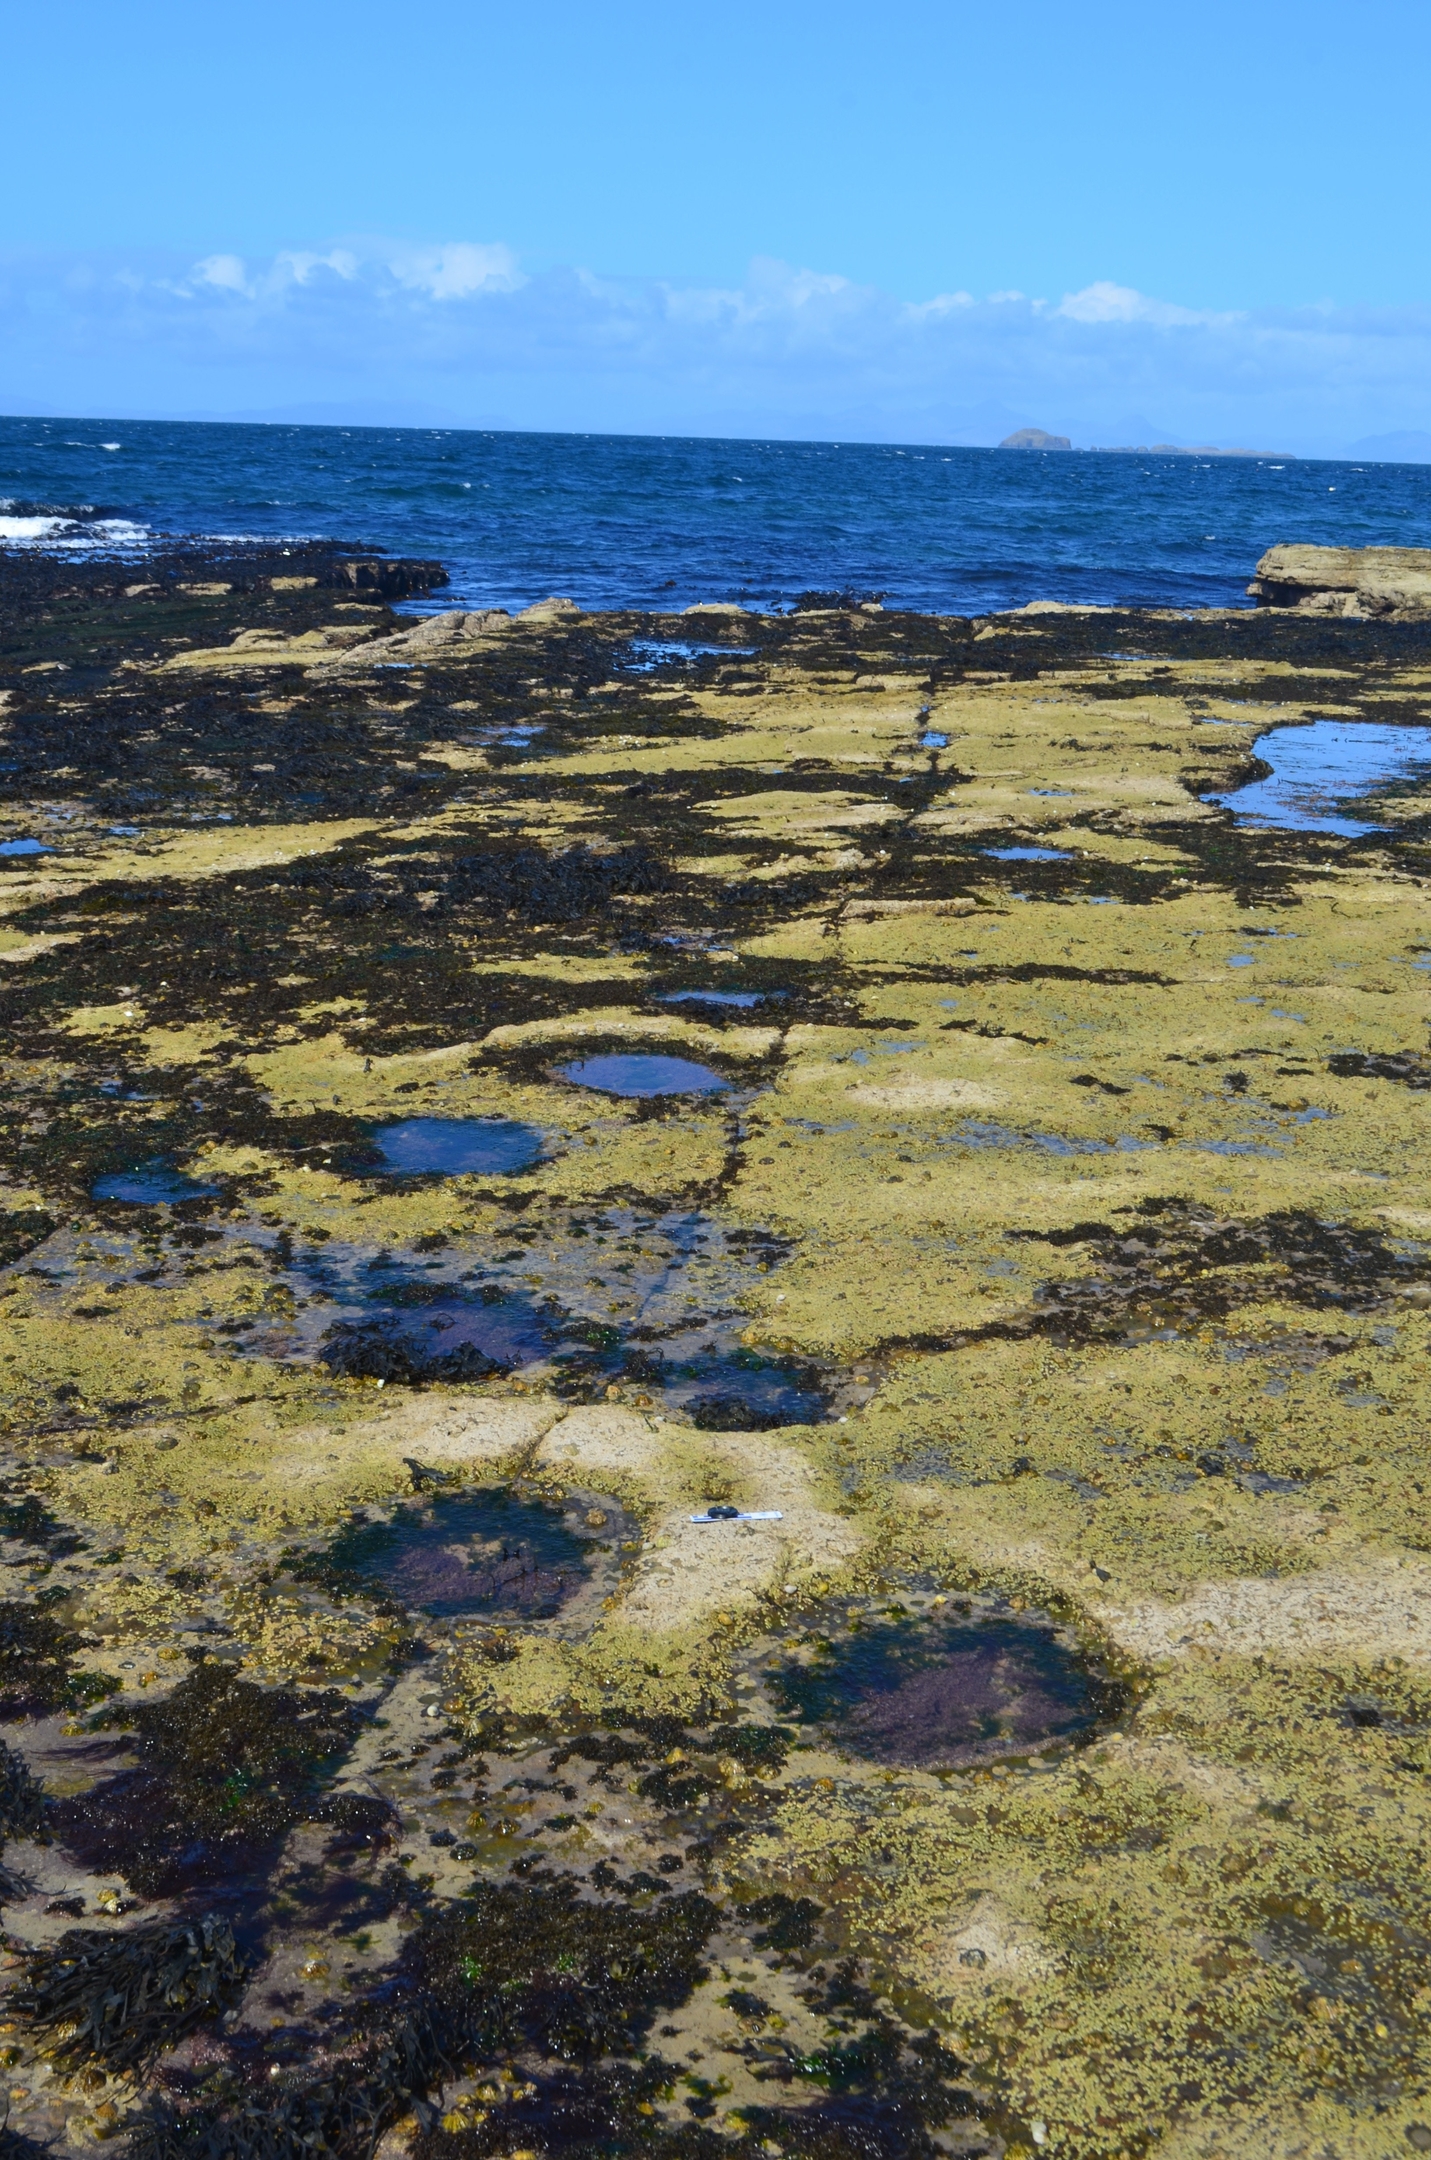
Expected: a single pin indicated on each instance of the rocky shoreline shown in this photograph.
(1040, 1265)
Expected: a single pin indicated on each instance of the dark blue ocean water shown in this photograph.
(650, 521)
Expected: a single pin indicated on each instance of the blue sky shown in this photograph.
(923, 221)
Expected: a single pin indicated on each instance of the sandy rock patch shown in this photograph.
(986, 1944)
(432, 1429)
(915, 1094)
(690, 1570)
(1380, 1612)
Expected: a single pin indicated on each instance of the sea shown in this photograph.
(638, 521)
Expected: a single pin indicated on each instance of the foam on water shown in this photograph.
(66, 534)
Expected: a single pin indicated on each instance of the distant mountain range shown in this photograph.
(1407, 446)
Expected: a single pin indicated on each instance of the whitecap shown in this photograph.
(30, 529)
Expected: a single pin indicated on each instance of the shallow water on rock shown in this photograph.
(738, 998)
(647, 654)
(637, 1074)
(415, 1338)
(151, 1184)
(651, 1306)
(944, 1686)
(457, 1147)
(1318, 770)
(1026, 854)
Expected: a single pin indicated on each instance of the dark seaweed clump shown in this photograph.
(21, 1230)
(1411, 1067)
(540, 1968)
(121, 2000)
(226, 1769)
(379, 1350)
(1183, 1265)
(556, 1993)
(36, 1663)
(339, 2116)
(22, 1811)
(22, 1797)
(28, 1521)
(524, 881)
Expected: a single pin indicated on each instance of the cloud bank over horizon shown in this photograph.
(459, 333)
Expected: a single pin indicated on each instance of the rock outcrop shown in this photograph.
(385, 580)
(1362, 583)
(449, 635)
(1035, 438)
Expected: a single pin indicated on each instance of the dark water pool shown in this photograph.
(476, 1552)
(638, 1074)
(454, 1147)
(151, 1184)
(938, 1688)
(1321, 769)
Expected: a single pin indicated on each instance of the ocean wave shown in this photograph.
(72, 532)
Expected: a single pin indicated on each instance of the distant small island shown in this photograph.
(1171, 449)
(1036, 438)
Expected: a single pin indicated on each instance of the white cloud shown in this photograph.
(1106, 303)
(791, 350)
(302, 267)
(457, 270)
(226, 273)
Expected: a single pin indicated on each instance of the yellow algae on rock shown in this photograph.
(1055, 1261)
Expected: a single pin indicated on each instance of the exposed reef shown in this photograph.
(483, 1091)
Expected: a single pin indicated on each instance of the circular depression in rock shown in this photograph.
(475, 1553)
(937, 1687)
(454, 1147)
(635, 1074)
(155, 1183)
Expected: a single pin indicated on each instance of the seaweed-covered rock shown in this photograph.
(37, 1654)
(225, 1769)
(121, 2000)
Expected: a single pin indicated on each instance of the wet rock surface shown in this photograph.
(471, 1666)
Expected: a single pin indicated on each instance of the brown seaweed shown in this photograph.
(120, 2000)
